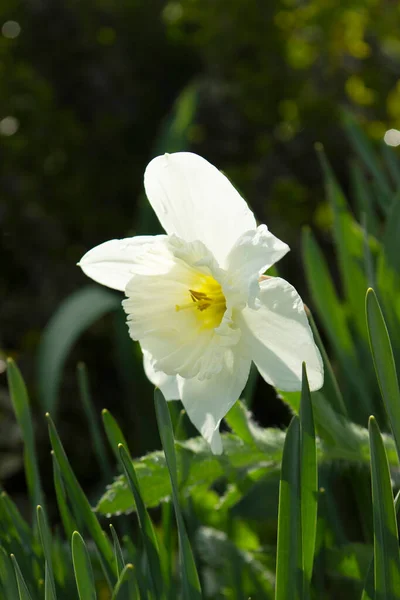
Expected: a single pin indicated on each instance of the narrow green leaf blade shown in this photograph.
(289, 560)
(20, 400)
(7, 576)
(66, 517)
(384, 363)
(126, 588)
(308, 480)
(119, 558)
(238, 420)
(45, 539)
(82, 568)
(113, 432)
(386, 543)
(325, 298)
(74, 315)
(92, 419)
(49, 590)
(190, 578)
(364, 149)
(349, 247)
(150, 543)
(22, 587)
(78, 498)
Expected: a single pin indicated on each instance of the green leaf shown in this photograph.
(392, 163)
(384, 363)
(65, 514)
(82, 569)
(119, 558)
(363, 147)
(20, 400)
(238, 419)
(189, 576)
(364, 198)
(388, 272)
(73, 317)
(7, 576)
(289, 560)
(219, 553)
(308, 480)
(22, 587)
(325, 298)
(81, 503)
(198, 467)
(126, 588)
(113, 432)
(331, 388)
(386, 543)
(95, 433)
(149, 538)
(349, 247)
(49, 590)
(45, 539)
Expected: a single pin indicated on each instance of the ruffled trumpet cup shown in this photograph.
(195, 298)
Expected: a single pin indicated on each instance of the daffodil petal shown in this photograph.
(111, 263)
(167, 383)
(255, 252)
(195, 201)
(207, 401)
(280, 338)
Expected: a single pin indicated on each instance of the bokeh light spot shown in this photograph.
(392, 137)
(11, 29)
(9, 126)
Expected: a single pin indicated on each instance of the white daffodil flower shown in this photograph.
(195, 298)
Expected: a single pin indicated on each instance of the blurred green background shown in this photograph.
(90, 91)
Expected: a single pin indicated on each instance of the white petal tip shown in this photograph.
(216, 443)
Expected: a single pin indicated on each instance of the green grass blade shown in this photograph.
(66, 517)
(325, 298)
(238, 420)
(386, 543)
(289, 576)
(392, 163)
(49, 590)
(126, 588)
(308, 480)
(364, 198)
(45, 539)
(384, 363)
(82, 568)
(95, 432)
(190, 578)
(20, 400)
(119, 558)
(349, 247)
(364, 149)
(74, 315)
(150, 543)
(368, 591)
(81, 503)
(7, 576)
(113, 432)
(22, 587)
(331, 386)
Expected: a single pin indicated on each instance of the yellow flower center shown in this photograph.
(207, 297)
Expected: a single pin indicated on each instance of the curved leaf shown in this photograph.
(74, 315)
